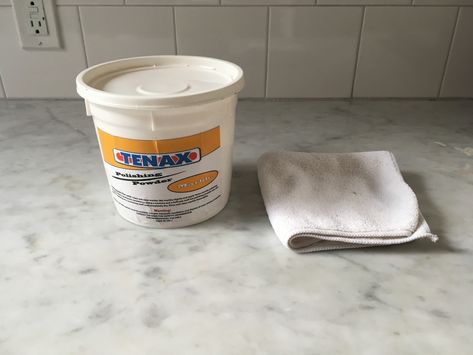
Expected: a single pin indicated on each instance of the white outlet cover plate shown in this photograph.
(22, 18)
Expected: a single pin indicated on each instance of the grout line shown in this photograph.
(175, 29)
(266, 74)
(258, 5)
(2, 86)
(357, 57)
(450, 46)
(83, 37)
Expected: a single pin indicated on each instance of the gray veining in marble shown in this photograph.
(77, 279)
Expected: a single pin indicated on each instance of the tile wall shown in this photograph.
(287, 48)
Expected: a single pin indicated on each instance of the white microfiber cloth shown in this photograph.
(334, 201)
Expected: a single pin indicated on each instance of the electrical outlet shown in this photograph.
(37, 26)
(36, 23)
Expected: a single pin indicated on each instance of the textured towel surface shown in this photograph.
(335, 201)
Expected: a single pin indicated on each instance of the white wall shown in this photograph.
(287, 48)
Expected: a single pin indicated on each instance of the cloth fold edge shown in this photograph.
(344, 242)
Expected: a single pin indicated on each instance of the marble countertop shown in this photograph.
(75, 278)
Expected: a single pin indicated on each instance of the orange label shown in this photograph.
(139, 154)
(193, 183)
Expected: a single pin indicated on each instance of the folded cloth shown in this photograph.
(335, 201)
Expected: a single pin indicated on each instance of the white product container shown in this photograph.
(165, 126)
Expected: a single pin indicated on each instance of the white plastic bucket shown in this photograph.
(165, 126)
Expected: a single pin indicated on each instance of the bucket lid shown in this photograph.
(159, 81)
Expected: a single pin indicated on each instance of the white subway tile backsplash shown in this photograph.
(237, 34)
(403, 51)
(90, 2)
(130, 32)
(458, 80)
(268, 2)
(312, 51)
(48, 73)
(172, 2)
(443, 2)
(317, 48)
(364, 2)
